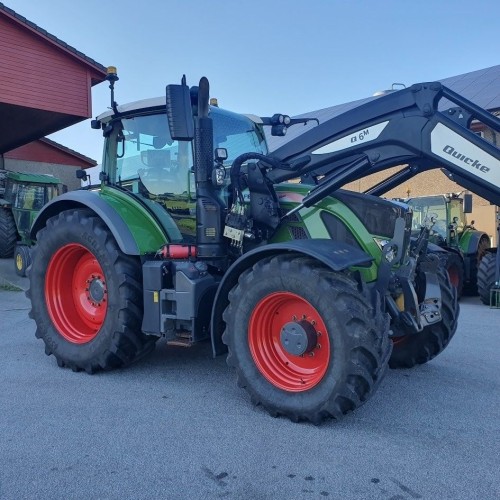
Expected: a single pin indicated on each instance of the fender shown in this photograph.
(469, 244)
(471, 241)
(134, 228)
(336, 255)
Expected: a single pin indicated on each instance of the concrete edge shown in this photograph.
(8, 286)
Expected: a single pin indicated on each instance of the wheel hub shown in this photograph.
(298, 337)
(97, 290)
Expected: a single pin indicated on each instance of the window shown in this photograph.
(146, 153)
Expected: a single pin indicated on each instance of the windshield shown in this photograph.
(141, 148)
(237, 133)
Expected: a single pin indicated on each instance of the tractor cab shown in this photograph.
(142, 158)
(24, 195)
(446, 215)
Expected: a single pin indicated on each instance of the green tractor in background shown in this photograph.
(22, 196)
(466, 245)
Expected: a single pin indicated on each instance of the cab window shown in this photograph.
(148, 160)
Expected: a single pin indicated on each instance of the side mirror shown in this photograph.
(467, 203)
(81, 174)
(179, 112)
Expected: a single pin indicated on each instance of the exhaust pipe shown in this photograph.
(209, 208)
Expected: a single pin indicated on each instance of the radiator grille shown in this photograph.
(298, 233)
(337, 230)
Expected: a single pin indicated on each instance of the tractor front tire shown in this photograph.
(419, 348)
(486, 276)
(22, 259)
(8, 233)
(86, 295)
(306, 342)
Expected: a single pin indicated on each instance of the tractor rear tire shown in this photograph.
(86, 295)
(486, 276)
(472, 287)
(419, 348)
(22, 259)
(456, 271)
(332, 371)
(8, 233)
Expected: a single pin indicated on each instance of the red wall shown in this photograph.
(36, 74)
(41, 152)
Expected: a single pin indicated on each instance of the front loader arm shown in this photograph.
(405, 127)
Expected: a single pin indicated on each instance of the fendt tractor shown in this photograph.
(196, 233)
(465, 244)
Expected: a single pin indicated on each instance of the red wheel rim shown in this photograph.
(76, 293)
(289, 372)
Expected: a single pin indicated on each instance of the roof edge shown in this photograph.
(72, 152)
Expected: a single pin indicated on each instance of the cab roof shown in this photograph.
(33, 178)
(152, 103)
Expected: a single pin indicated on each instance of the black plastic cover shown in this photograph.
(179, 113)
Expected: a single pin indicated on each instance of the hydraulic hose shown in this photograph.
(236, 168)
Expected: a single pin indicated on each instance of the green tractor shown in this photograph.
(466, 245)
(22, 196)
(196, 233)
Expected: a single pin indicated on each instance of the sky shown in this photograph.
(265, 57)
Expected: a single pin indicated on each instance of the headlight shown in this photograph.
(388, 253)
(381, 242)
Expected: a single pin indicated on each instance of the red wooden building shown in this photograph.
(45, 86)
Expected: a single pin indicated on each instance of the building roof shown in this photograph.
(56, 41)
(482, 87)
(71, 152)
(48, 151)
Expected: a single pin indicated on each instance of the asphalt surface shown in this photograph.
(175, 426)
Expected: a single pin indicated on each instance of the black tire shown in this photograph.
(8, 233)
(100, 329)
(454, 265)
(419, 348)
(358, 333)
(22, 259)
(486, 276)
(472, 285)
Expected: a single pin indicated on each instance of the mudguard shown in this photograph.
(134, 228)
(472, 243)
(336, 255)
